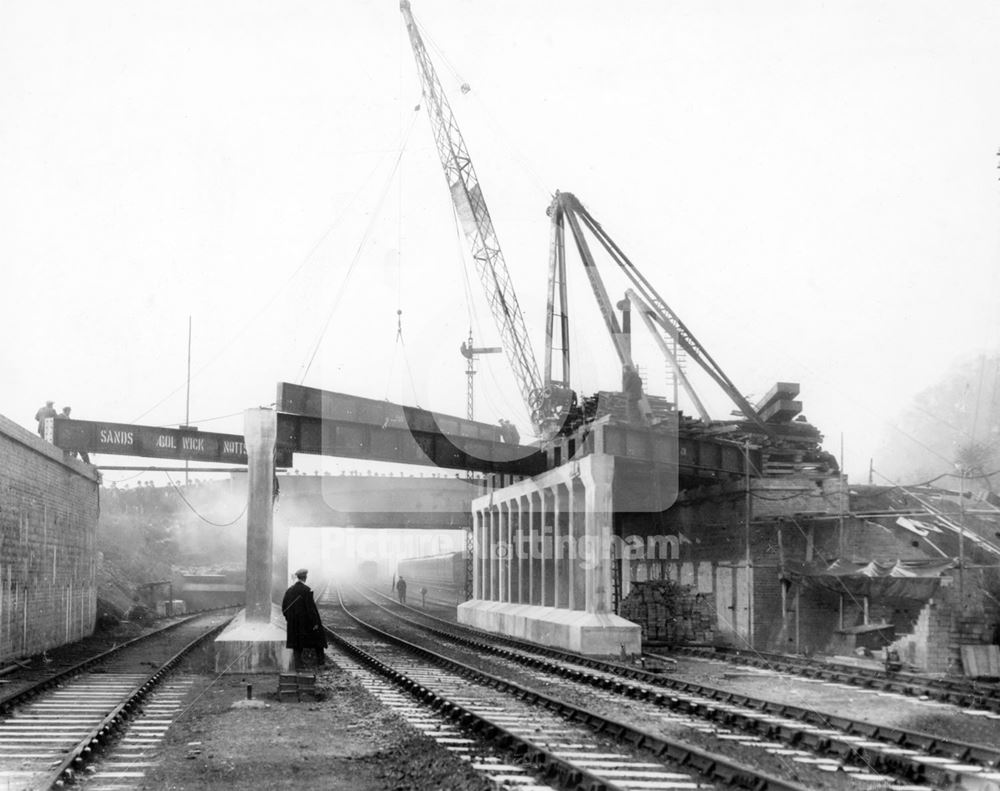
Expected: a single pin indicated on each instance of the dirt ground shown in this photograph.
(347, 741)
(892, 710)
(344, 742)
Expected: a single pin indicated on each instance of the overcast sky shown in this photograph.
(812, 186)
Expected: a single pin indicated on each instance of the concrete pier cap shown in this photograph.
(255, 640)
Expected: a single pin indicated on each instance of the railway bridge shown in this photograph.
(581, 489)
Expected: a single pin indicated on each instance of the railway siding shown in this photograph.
(718, 768)
(902, 752)
(54, 729)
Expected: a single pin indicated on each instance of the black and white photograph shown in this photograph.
(455, 395)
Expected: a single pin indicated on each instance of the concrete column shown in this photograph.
(477, 577)
(484, 556)
(587, 550)
(503, 558)
(570, 544)
(597, 475)
(535, 550)
(254, 642)
(512, 559)
(493, 555)
(260, 430)
(523, 565)
(559, 535)
(548, 559)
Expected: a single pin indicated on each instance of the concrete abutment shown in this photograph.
(542, 561)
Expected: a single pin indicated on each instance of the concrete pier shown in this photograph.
(542, 565)
(255, 641)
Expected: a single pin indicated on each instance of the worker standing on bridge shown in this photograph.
(82, 453)
(42, 414)
(509, 433)
(304, 627)
(401, 590)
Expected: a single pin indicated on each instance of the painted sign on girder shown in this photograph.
(155, 442)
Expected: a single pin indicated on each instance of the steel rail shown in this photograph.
(987, 756)
(68, 761)
(959, 692)
(102, 734)
(715, 767)
(59, 676)
(551, 766)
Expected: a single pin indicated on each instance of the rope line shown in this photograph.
(275, 294)
(360, 249)
(195, 510)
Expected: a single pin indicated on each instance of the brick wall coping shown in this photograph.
(31, 441)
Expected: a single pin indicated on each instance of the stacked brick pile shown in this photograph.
(670, 613)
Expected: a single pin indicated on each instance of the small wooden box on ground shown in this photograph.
(292, 686)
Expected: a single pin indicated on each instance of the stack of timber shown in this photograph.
(613, 403)
(779, 405)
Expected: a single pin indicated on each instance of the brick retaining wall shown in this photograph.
(48, 534)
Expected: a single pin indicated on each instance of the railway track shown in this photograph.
(22, 680)
(52, 729)
(965, 693)
(900, 755)
(960, 692)
(555, 742)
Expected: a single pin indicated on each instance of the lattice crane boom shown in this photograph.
(473, 214)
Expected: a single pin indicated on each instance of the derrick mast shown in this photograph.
(474, 216)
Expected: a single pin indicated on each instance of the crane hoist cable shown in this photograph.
(399, 349)
(251, 320)
(360, 249)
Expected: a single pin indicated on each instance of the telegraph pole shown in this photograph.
(749, 578)
(961, 537)
(187, 398)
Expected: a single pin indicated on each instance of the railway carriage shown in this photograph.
(442, 575)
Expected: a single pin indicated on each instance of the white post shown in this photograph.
(260, 430)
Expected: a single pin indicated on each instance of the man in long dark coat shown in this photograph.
(304, 627)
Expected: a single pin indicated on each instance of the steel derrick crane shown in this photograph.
(549, 399)
(470, 206)
(658, 317)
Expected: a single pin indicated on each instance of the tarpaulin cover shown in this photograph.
(909, 579)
